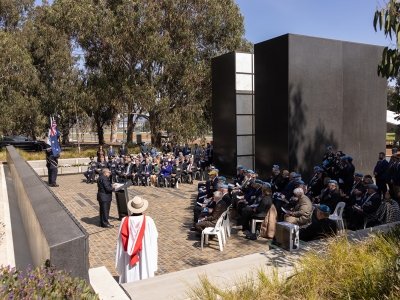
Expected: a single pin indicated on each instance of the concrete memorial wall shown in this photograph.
(308, 93)
(50, 228)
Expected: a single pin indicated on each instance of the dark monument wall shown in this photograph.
(311, 93)
(224, 112)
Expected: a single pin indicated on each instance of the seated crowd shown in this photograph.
(306, 205)
(175, 164)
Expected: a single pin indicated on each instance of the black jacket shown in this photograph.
(318, 230)
(105, 189)
(227, 199)
(263, 207)
(332, 199)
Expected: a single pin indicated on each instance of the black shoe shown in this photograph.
(108, 226)
(88, 181)
(92, 181)
(54, 185)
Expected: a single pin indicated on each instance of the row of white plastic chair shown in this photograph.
(222, 230)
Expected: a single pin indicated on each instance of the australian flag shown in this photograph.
(54, 134)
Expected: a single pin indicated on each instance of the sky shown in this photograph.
(348, 20)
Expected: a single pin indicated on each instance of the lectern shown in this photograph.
(122, 198)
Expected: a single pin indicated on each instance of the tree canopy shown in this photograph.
(149, 59)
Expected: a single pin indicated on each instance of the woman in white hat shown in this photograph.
(137, 250)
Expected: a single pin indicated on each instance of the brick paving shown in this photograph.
(172, 211)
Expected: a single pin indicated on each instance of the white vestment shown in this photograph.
(148, 257)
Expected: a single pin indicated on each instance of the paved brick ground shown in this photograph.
(172, 211)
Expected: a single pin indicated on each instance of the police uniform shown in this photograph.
(113, 165)
(90, 173)
(52, 167)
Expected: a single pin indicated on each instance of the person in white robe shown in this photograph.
(137, 250)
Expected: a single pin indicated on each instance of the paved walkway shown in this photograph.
(172, 211)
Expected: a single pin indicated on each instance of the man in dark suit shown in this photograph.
(380, 171)
(218, 210)
(189, 170)
(210, 187)
(147, 169)
(104, 197)
(356, 191)
(122, 151)
(333, 197)
(368, 206)
(186, 150)
(225, 195)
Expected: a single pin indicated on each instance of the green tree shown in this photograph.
(387, 18)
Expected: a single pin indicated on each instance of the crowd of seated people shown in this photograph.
(175, 164)
(367, 202)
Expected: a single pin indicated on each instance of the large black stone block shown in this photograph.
(313, 92)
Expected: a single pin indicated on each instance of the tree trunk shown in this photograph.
(129, 128)
(114, 128)
(100, 130)
(64, 134)
(155, 133)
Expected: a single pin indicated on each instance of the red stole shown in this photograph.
(138, 244)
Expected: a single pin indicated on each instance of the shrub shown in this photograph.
(42, 283)
(340, 269)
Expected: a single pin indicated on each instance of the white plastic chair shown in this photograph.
(254, 224)
(218, 230)
(227, 224)
(338, 215)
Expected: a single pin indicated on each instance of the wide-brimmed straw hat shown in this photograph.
(137, 205)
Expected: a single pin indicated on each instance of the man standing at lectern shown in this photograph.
(104, 197)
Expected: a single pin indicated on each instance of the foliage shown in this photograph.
(340, 269)
(42, 283)
(387, 16)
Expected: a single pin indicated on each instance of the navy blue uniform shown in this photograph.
(104, 197)
(380, 171)
(52, 167)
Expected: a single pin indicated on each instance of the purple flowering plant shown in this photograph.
(42, 283)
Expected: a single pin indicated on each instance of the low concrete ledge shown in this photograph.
(105, 285)
(51, 230)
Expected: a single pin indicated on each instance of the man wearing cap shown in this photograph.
(367, 207)
(301, 214)
(52, 166)
(333, 197)
(210, 221)
(104, 197)
(90, 172)
(112, 166)
(225, 195)
(356, 192)
(122, 151)
(239, 176)
(379, 172)
(276, 179)
(287, 192)
(315, 175)
(320, 228)
(251, 197)
(210, 187)
(329, 156)
(137, 248)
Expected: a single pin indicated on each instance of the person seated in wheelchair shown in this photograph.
(189, 171)
(90, 173)
(176, 172)
(147, 169)
(164, 173)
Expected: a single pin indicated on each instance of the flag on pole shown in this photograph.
(54, 134)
